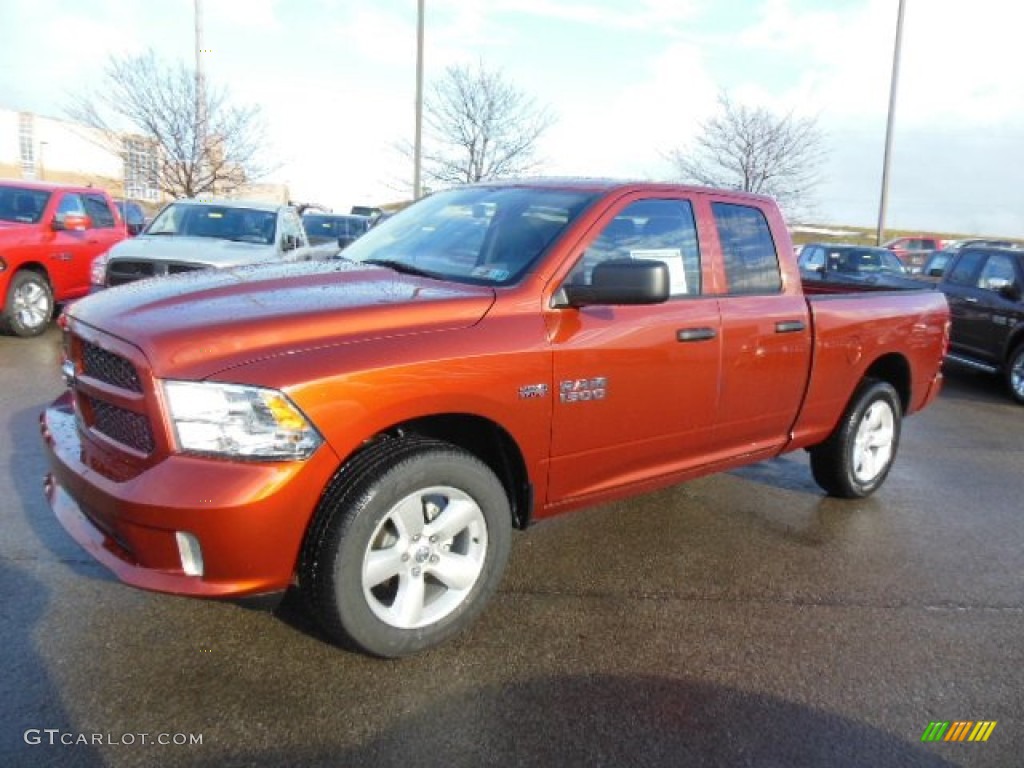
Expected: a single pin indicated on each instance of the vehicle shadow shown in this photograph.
(30, 704)
(607, 720)
(28, 467)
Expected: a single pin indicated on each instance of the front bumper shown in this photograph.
(248, 517)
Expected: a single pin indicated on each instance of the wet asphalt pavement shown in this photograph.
(743, 619)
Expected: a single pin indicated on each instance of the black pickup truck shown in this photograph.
(984, 287)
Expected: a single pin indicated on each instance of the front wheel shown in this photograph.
(857, 457)
(1015, 374)
(408, 549)
(28, 306)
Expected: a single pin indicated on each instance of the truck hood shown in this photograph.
(209, 251)
(196, 324)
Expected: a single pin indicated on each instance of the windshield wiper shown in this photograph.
(400, 266)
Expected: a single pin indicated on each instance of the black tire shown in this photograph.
(1015, 374)
(384, 577)
(28, 306)
(856, 458)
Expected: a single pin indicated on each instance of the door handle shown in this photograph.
(695, 334)
(790, 326)
(971, 299)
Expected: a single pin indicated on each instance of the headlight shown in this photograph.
(98, 270)
(238, 421)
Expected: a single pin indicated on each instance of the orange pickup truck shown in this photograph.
(371, 429)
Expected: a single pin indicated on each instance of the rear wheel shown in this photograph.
(405, 556)
(1015, 374)
(856, 458)
(28, 306)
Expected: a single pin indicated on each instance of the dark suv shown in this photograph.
(984, 287)
(331, 227)
(133, 216)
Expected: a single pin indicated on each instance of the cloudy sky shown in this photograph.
(629, 80)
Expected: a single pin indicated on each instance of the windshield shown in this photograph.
(863, 260)
(483, 235)
(320, 227)
(22, 205)
(243, 225)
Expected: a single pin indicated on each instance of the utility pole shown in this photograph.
(200, 128)
(417, 183)
(889, 124)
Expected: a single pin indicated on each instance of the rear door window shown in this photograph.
(748, 250)
(96, 208)
(966, 268)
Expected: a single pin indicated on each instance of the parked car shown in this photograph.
(366, 210)
(342, 229)
(912, 251)
(371, 429)
(133, 216)
(935, 265)
(49, 236)
(984, 287)
(956, 245)
(189, 235)
(842, 265)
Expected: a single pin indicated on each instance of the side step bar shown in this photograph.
(972, 363)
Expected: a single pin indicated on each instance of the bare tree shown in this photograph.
(203, 144)
(479, 126)
(754, 150)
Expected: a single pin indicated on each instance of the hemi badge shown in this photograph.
(530, 391)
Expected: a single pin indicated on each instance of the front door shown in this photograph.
(636, 387)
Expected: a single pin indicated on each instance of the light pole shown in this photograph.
(889, 124)
(42, 168)
(200, 127)
(417, 183)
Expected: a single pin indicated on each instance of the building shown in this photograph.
(49, 149)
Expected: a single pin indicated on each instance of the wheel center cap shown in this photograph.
(422, 555)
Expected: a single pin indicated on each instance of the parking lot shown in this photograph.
(743, 619)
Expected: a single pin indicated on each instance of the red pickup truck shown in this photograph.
(49, 235)
(372, 428)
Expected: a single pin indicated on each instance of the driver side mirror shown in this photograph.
(619, 282)
(1010, 291)
(71, 222)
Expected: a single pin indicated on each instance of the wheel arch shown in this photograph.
(895, 370)
(487, 441)
(34, 266)
(1013, 340)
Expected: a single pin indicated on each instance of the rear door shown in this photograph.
(636, 387)
(966, 308)
(766, 334)
(107, 230)
(996, 315)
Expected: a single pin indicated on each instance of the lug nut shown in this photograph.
(434, 558)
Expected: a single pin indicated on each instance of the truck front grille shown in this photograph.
(109, 368)
(124, 426)
(120, 271)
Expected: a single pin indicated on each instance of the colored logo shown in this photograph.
(959, 730)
